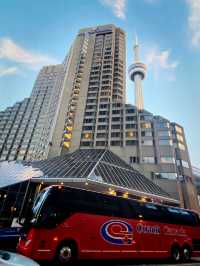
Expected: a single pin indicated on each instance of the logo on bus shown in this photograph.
(117, 232)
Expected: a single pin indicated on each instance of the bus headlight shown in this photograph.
(28, 242)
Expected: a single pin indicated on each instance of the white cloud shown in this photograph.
(5, 71)
(13, 52)
(118, 7)
(194, 21)
(160, 60)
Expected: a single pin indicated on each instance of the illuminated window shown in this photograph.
(87, 135)
(181, 146)
(66, 144)
(68, 136)
(131, 134)
(178, 129)
(69, 128)
(145, 125)
(179, 137)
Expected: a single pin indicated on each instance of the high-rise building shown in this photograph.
(85, 108)
(26, 128)
(95, 78)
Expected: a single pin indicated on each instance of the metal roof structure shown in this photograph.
(99, 167)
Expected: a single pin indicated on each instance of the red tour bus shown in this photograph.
(67, 224)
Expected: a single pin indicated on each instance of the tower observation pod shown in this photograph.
(137, 72)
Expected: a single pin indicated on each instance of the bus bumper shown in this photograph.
(26, 248)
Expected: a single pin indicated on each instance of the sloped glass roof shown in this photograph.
(103, 165)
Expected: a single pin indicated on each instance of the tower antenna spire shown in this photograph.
(137, 72)
(136, 49)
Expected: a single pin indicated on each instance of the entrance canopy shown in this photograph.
(97, 169)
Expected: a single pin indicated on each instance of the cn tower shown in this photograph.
(137, 72)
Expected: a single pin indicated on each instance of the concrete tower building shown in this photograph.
(137, 72)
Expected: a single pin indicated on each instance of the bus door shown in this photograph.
(147, 229)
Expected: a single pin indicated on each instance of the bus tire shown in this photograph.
(66, 253)
(175, 253)
(186, 253)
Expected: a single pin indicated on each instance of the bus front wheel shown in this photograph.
(66, 253)
(176, 253)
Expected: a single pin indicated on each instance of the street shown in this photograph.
(194, 262)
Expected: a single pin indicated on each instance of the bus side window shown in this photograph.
(137, 209)
(181, 216)
(126, 211)
(99, 204)
(154, 213)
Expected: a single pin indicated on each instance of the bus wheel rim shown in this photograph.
(176, 255)
(65, 254)
(186, 253)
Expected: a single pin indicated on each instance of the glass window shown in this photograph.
(162, 125)
(131, 142)
(164, 133)
(179, 137)
(131, 134)
(130, 118)
(147, 142)
(148, 159)
(86, 143)
(146, 117)
(165, 142)
(146, 133)
(167, 159)
(115, 134)
(115, 143)
(130, 111)
(133, 159)
(185, 164)
(181, 146)
(131, 126)
(168, 175)
(178, 129)
(101, 143)
(145, 125)
(116, 126)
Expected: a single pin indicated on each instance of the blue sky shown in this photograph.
(36, 33)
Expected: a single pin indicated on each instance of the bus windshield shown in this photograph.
(51, 207)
